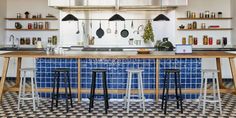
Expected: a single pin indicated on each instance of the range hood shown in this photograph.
(121, 5)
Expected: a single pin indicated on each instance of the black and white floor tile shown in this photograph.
(8, 108)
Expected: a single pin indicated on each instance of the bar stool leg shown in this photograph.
(58, 86)
(180, 94)
(204, 98)
(129, 92)
(218, 93)
(68, 76)
(36, 88)
(104, 91)
(20, 92)
(127, 89)
(176, 91)
(214, 89)
(167, 93)
(142, 93)
(65, 82)
(33, 91)
(163, 93)
(91, 91)
(105, 81)
(201, 89)
(139, 91)
(23, 92)
(53, 90)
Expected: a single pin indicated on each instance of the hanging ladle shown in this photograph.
(78, 28)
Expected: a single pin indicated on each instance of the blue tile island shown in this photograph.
(117, 76)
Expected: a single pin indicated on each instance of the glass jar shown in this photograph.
(210, 40)
(220, 14)
(188, 14)
(195, 41)
(46, 25)
(184, 40)
(190, 39)
(207, 14)
(203, 26)
(194, 25)
(205, 40)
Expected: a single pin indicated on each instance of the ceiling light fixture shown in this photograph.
(161, 17)
(70, 17)
(116, 17)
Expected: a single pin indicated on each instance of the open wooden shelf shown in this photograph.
(225, 18)
(205, 29)
(31, 29)
(31, 18)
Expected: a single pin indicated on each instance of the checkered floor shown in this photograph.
(8, 108)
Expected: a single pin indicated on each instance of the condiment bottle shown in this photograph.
(190, 40)
(205, 40)
(39, 43)
(184, 40)
(194, 25)
(195, 41)
(210, 40)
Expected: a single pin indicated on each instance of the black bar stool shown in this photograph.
(56, 82)
(165, 97)
(93, 86)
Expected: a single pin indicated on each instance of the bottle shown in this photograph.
(190, 40)
(194, 25)
(205, 40)
(184, 40)
(210, 41)
(39, 43)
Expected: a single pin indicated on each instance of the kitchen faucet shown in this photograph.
(12, 38)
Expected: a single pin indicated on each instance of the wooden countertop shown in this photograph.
(124, 54)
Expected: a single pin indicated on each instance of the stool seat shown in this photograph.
(171, 70)
(61, 70)
(27, 69)
(135, 70)
(210, 70)
(99, 70)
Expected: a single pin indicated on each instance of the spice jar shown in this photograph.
(201, 15)
(219, 14)
(193, 15)
(188, 14)
(224, 41)
(29, 25)
(184, 40)
(22, 41)
(213, 15)
(203, 26)
(34, 40)
(205, 40)
(210, 40)
(27, 41)
(46, 25)
(207, 14)
(194, 25)
(40, 25)
(18, 15)
(190, 26)
(190, 39)
(35, 25)
(218, 42)
(195, 41)
(54, 40)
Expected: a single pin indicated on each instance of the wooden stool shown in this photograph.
(215, 98)
(57, 72)
(165, 97)
(141, 98)
(34, 90)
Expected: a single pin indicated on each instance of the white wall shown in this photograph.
(233, 9)
(2, 21)
(34, 7)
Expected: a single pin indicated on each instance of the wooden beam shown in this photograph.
(4, 74)
(79, 84)
(218, 65)
(19, 60)
(233, 71)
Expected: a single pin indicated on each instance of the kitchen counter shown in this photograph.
(117, 62)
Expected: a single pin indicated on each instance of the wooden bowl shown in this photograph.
(143, 52)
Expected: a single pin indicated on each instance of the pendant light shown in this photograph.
(70, 17)
(161, 17)
(116, 17)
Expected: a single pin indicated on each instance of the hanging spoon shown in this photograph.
(116, 31)
(132, 24)
(108, 29)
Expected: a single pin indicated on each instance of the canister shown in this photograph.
(184, 40)
(190, 40)
(210, 40)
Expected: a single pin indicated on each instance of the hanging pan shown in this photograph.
(124, 33)
(100, 31)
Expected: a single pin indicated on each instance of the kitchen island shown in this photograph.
(81, 63)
